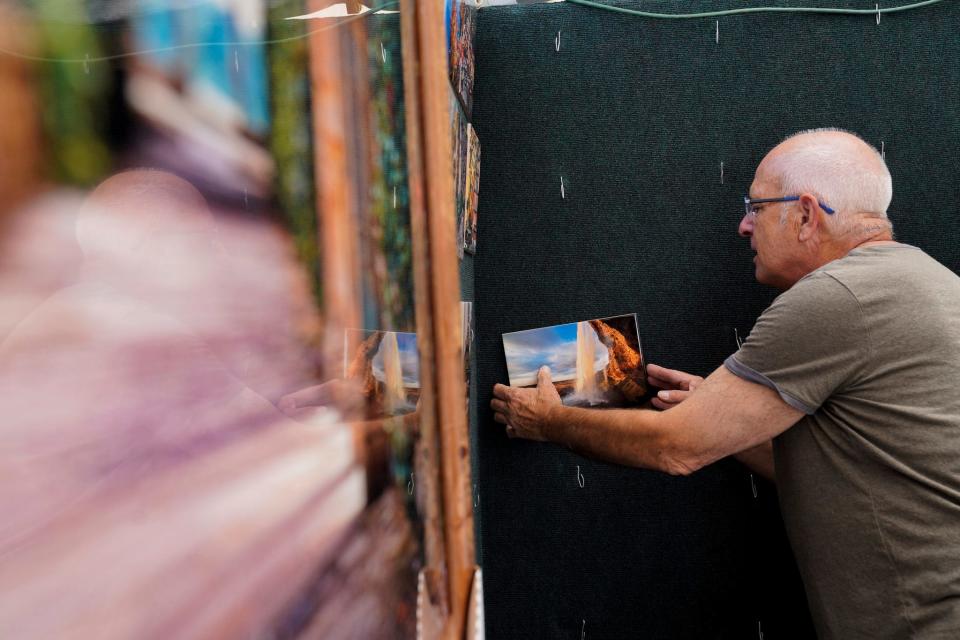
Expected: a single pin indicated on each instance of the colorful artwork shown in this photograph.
(471, 189)
(460, 148)
(596, 363)
(461, 18)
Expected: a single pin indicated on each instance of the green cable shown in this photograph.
(730, 12)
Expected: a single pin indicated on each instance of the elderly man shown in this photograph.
(852, 371)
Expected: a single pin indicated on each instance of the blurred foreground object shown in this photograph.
(20, 159)
(149, 485)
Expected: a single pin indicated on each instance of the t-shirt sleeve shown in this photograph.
(807, 345)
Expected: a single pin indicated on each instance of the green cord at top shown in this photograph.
(730, 12)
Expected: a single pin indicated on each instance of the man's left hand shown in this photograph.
(524, 411)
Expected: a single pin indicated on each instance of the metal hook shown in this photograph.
(883, 152)
(736, 336)
(753, 486)
(579, 477)
(410, 485)
(721, 172)
(562, 192)
(718, 32)
(556, 41)
(383, 52)
(583, 630)
(878, 14)
(759, 630)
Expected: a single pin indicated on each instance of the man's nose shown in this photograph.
(746, 226)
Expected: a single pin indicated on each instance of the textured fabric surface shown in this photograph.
(637, 116)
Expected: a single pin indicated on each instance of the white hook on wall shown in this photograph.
(556, 41)
(718, 32)
(563, 193)
(878, 14)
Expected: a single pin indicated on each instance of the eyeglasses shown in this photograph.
(751, 210)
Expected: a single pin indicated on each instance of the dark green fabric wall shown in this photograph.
(637, 115)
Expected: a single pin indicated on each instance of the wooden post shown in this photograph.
(444, 290)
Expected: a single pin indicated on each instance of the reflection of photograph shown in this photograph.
(386, 363)
(461, 17)
(592, 363)
(471, 189)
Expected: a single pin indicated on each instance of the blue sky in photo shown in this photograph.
(554, 346)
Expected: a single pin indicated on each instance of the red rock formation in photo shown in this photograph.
(624, 371)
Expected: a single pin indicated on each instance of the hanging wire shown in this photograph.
(730, 12)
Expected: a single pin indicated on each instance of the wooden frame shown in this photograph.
(444, 457)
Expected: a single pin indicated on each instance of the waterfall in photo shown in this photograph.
(586, 385)
(394, 395)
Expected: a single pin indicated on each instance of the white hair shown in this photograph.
(844, 172)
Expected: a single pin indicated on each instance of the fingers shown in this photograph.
(501, 391)
(664, 378)
(499, 417)
(498, 405)
(673, 396)
(543, 376)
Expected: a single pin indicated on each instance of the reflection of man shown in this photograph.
(852, 371)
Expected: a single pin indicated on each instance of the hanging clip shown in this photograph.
(878, 14)
(721, 172)
(883, 151)
(759, 630)
(556, 41)
(563, 193)
(579, 477)
(718, 32)
(583, 630)
(383, 53)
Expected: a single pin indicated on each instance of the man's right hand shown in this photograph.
(676, 385)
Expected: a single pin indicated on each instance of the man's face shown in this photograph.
(775, 261)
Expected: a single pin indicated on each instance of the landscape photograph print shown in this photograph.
(593, 363)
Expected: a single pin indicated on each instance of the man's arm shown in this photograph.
(677, 386)
(725, 415)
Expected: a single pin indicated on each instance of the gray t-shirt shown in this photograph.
(868, 346)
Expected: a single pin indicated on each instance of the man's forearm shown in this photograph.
(631, 437)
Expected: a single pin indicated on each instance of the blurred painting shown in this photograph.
(594, 363)
(386, 365)
(459, 142)
(471, 190)
(461, 18)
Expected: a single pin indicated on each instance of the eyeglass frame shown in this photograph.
(748, 203)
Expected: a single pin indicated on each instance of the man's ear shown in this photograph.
(809, 217)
